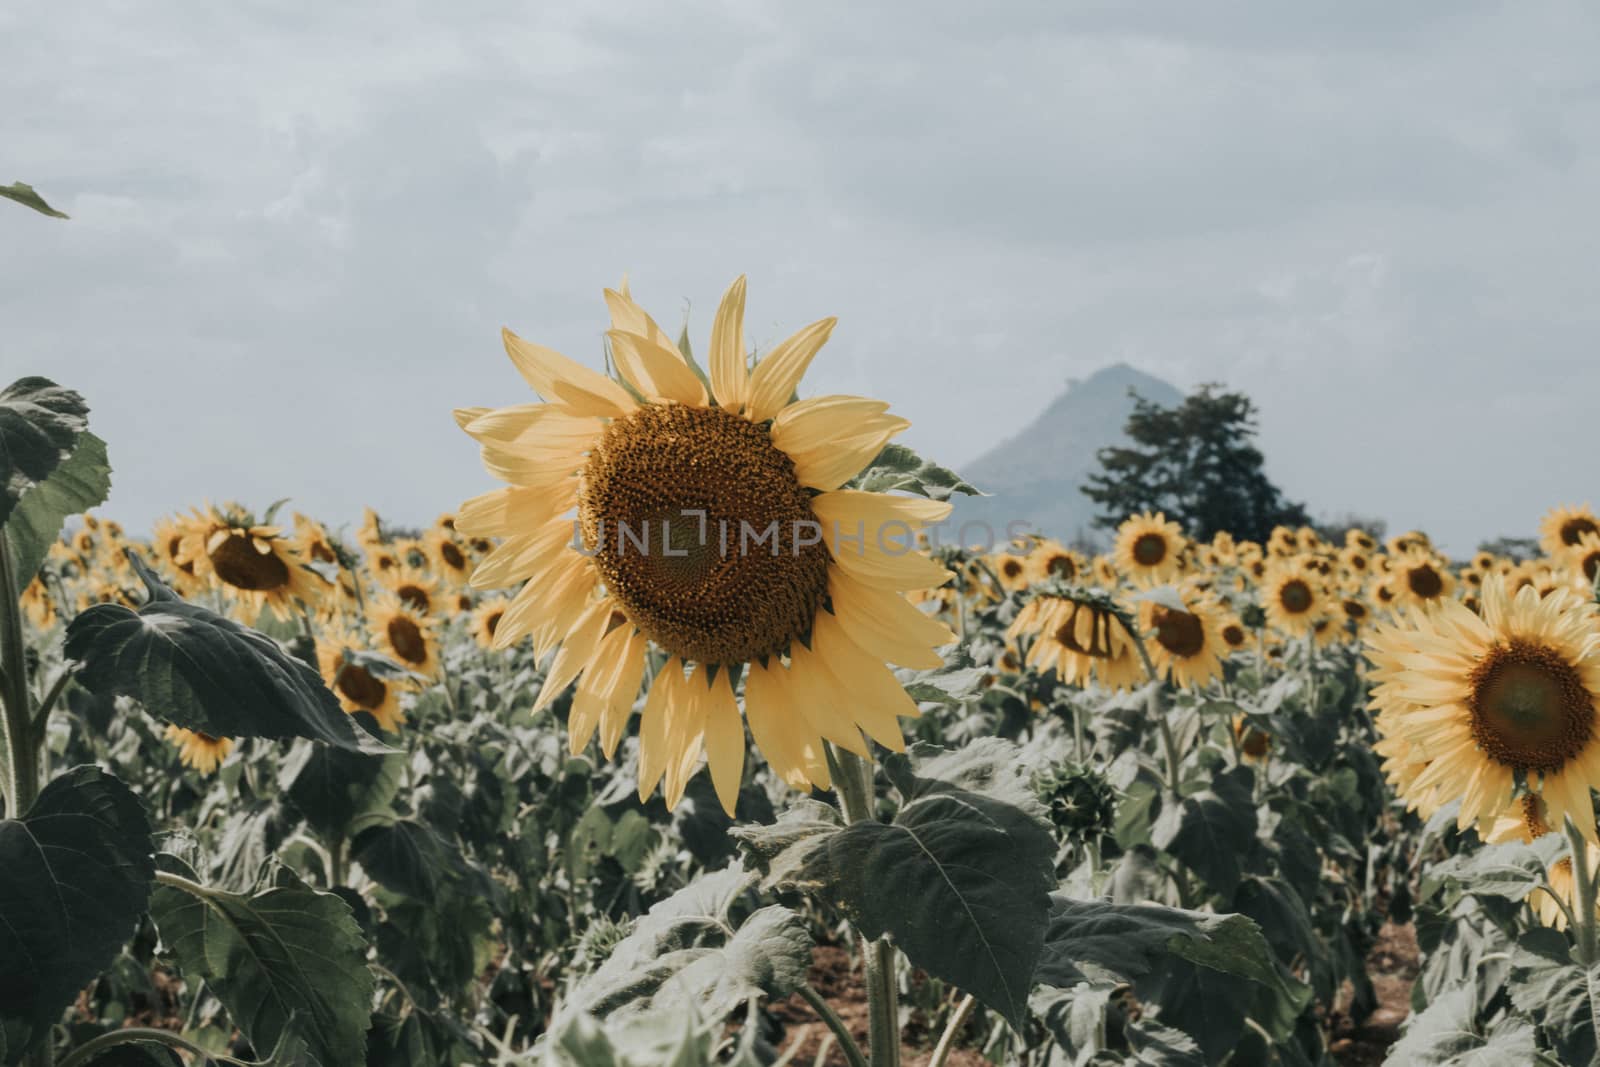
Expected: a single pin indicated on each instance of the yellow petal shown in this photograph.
(730, 371)
(817, 696)
(522, 555)
(546, 424)
(777, 376)
(577, 650)
(831, 438)
(619, 704)
(597, 687)
(886, 625)
(724, 733)
(514, 511)
(653, 739)
(655, 370)
(686, 728)
(628, 316)
(780, 731)
(555, 377)
(870, 692)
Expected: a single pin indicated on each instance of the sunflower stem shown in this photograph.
(852, 778)
(22, 756)
(1583, 891)
(831, 1019)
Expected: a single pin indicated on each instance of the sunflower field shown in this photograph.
(694, 738)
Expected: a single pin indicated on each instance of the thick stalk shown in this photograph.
(852, 777)
(1583, 893)
(22, 756)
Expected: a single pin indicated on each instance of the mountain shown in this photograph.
(1037, 475)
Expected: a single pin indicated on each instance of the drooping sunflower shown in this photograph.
(199, 751)
(1293, 597)
(1148, 549)
(256, 565)
(358, 688)
(1185, 645)
(1255, 744)
(1080, 640)
(1564, 526)
(1051, 559)
(405, 634)
(811, 611)
(1489, 702)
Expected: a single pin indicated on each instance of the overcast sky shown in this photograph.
(297, 229)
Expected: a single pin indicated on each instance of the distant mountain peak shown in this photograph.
(1036, 475)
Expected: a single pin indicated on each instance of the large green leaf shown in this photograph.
(26, 195)
(332, 787)
(960, 879)
(39, 426)
(899, 468)
(75, 873)
(692, 950)
(76, 485)
(206, 672)
(407, 856)
(1445, 1034)
(1211, 831)
(1548, 987)
(287, 953)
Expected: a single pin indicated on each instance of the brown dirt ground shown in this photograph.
(841, 985)
(1393, 963)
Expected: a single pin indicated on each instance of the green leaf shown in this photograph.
(687, 950)
(24, 194)
(75, 873)
(206, 672)
(288, 959)
(406, 856)
(1548, 987)
(76, 485)
(332, 787)
(1445, 1034)
(960, 879)
(1211, 832)
(1510, 870)
(39, 426)
(899, 468)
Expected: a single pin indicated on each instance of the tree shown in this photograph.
(1196, 463)
(1514, 548)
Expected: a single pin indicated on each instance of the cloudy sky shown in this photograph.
(298, 227)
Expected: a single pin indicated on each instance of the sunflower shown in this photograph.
(1526, 820)
(1491, 702)
(38, 604)
(1079, 640)
(358, 688)
(406, 634)
(1400, 544)
(1185, 645)
(370, 533)
(1011, 569)
(1356, 537)
(1293, 597)
(1051, 559)
(202, 752)
(256, 565)
(447, 557)
(1564, 526)
(1148, 548)
(1420, 579)
(1255, 744)
(1584, 559)
(417, 589)
(167, 544)
(1232, 631)
(761, 561)
(486, 620)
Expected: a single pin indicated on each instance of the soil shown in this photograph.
(1393, 963)
(841, 985)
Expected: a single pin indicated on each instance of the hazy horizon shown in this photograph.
(297, 231)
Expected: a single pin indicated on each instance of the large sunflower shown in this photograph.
(713, 526)
(1149, 548)
(1489, 704)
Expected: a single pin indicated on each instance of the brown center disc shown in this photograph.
(698, 526)
(1529, 707)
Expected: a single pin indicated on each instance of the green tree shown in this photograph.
(1197, 463)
